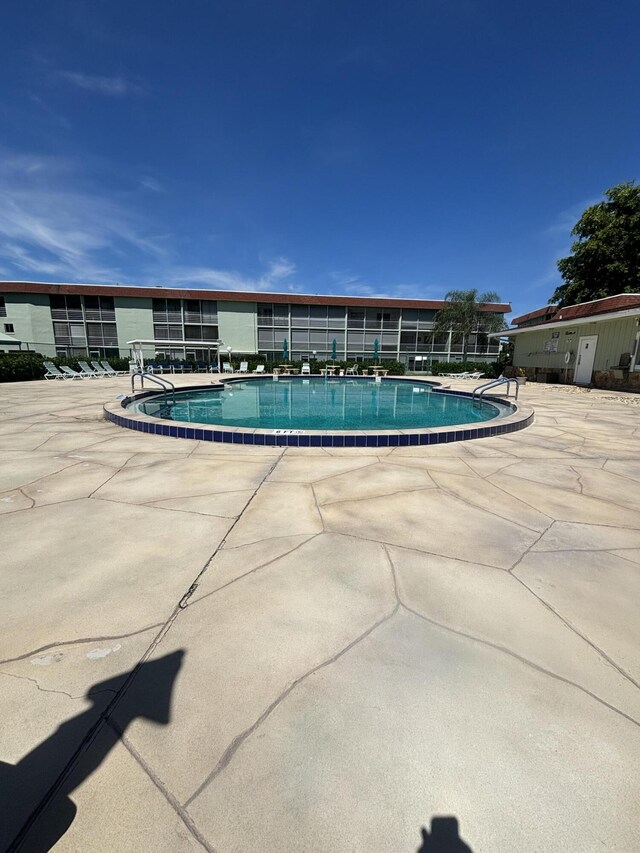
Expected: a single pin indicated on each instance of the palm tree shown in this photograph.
(464, 313)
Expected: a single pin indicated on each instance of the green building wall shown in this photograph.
(237, 326)
(134, 320)
(31, 318)
(615, 337)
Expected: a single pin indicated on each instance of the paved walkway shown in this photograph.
(333, 647)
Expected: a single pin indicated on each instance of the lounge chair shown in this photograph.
(259, 369)
(476, 375)
(305, 370)
(99, 369)
(110, 371)
(86, 370)
(52, 371)
(244, 367)
(227, 367)
(201, 366)
(69, 373)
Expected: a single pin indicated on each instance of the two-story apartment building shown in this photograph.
(98, 320)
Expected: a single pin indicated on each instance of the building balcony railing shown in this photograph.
(105, 316)
(66, 314)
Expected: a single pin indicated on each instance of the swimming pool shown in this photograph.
(318, 412)
(323, 404)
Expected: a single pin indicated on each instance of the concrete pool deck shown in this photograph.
(213, 647)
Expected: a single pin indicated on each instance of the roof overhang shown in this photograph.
(9, 340)
(160, 292)
(560, 324)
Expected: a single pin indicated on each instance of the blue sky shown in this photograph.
(366, 148)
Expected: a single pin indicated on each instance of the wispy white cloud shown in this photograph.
(349, 283)
(118, 86)
(149, 183)
(53, 225)
(565, 220)
(274, 279)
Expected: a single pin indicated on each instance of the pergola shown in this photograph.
(9, 340)
(138, 354)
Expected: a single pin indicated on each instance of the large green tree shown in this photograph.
(465, 313)
(605, 258)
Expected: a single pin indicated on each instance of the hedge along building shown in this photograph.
(98, 320)
(594, 343)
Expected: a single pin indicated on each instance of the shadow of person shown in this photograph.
(83, 743)
(444, 837)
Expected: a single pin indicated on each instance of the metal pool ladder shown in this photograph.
(494, 384)
(159, 380)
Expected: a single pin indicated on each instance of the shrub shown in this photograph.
(21, 366)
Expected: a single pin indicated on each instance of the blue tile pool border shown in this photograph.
(521, 417)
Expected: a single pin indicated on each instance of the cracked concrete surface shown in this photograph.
(371, 637)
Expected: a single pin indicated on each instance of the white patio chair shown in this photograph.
(110, 371)
(52, 371)
(99, 369)
(244, 367)
(227, 367)
(259, 369)
(352, 371)
(86, 370)
(305, 370)
(69, 373)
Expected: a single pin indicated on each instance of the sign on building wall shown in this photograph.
(551, 346)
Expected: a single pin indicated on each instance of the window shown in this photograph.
(66, 308)
(426, 317)
(265, 314)
(300, 315)
(389, 342)
(336, 315)
(99, 308)
(265, 339)
(3, 307)
(102, 334)
(272, 315)
(8, 327)
(409, 318)
(192, 313)
(167, 333)
(407, 341)
(441, 342)
(69, 333)
(356, 318)
(318, 316)
(280, 315)
(167, 311)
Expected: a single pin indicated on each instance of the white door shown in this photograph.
(585, 359)
(635, 356)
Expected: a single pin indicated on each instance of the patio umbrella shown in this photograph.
(376, 347)
(285, 350)
(334, 349)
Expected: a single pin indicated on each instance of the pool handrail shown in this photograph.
(494, 383)
(159, 380)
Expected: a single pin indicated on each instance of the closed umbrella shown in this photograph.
(285, 350)
(334, 349)
(376, 347)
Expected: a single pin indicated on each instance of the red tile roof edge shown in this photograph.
(539, 312)
(606, 305)
(228, 295)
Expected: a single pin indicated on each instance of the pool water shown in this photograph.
(323, 404)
